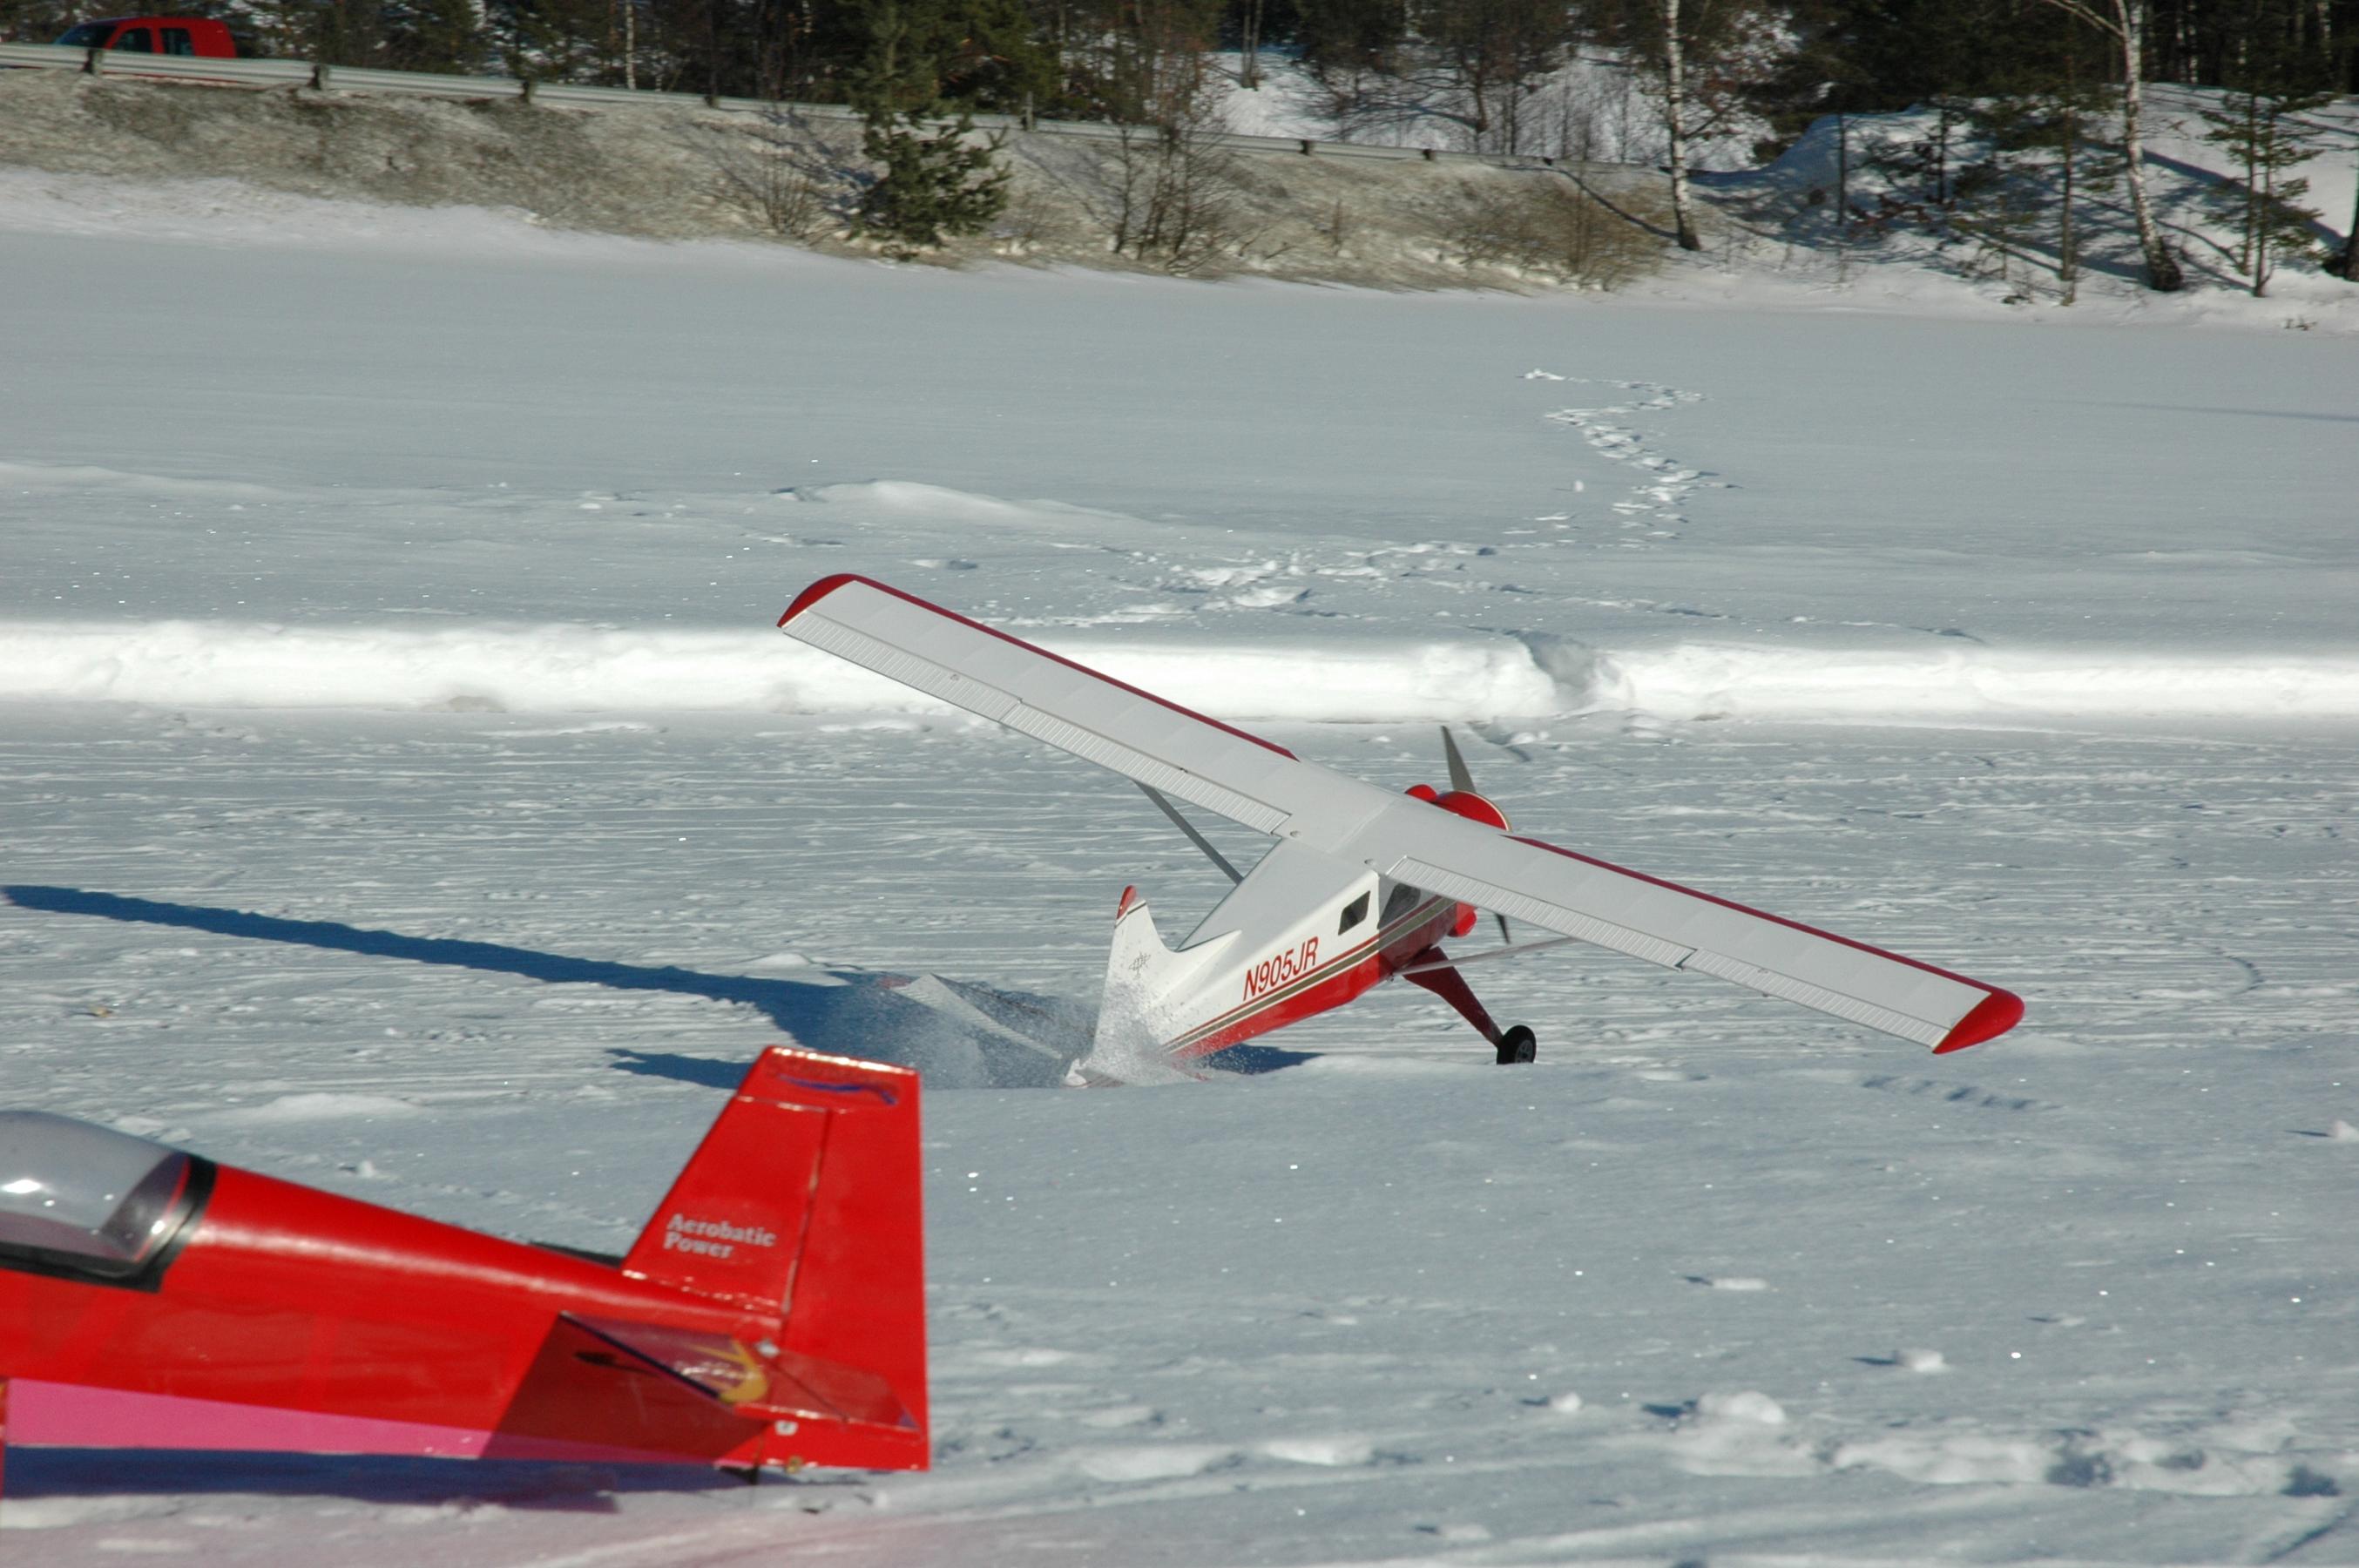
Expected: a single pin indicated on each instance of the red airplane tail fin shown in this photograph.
(803, 1204)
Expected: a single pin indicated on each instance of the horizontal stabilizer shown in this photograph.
(760, 1382)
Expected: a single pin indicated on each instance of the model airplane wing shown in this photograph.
(1266, 787)
(1099, 720)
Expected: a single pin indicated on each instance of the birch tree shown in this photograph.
(1675, 123)
(2124, 21)
(1706, 60)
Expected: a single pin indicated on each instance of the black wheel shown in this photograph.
(1518, 1044)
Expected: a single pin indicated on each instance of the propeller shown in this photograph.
(1459, 778)
(1462, 780)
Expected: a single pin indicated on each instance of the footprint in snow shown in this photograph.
(1665, 482)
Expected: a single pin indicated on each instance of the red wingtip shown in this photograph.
(818, 591)
(1129, 897)
(1993, 1016)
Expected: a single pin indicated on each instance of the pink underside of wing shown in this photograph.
(67, 1415)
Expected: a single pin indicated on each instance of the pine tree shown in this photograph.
(435, 35)
(2258, 124)
(2259, 131)
(1994, 200)
(936, 179)
(2034, 118)
(1350, 36)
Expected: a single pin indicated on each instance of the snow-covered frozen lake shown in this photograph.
(402, 789)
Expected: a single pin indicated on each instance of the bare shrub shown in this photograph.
(774, 167)
(1337, 223)
(1170, 190)
(1030, 221)
(1546, 227)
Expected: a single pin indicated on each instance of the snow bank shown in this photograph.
(575, 668)
(235, 213)
(563, 669)
(1696, 680)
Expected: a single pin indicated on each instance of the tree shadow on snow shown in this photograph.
(958, 1034)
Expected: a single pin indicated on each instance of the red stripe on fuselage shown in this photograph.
(1330, 985)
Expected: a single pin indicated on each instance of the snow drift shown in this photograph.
(1701, 681)
(1334, 679)
(574, 668)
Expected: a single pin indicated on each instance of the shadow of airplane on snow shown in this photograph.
(958, 1034)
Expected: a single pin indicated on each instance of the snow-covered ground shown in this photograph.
(1591, 107)
(402, 789)
(1901, 247)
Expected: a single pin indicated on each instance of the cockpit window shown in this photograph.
(1401, 901)
(94, 1200)
(1354, 913)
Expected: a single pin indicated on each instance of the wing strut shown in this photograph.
(1185, 826)
(1422, 964)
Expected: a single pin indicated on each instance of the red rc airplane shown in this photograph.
(771, 1313)
(1362, 884)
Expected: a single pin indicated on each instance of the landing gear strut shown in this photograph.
(1516, 1044)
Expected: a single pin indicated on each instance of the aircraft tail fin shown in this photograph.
(1139, 970)
(804, 1205)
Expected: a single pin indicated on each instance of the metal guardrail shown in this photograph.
(324, 77)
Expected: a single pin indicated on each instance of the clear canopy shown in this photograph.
(100, 1196)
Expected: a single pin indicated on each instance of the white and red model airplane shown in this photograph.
(1362, 885)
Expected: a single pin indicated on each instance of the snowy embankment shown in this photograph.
(572, 669)
(579, 669)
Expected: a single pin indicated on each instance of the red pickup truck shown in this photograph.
(154, 35)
